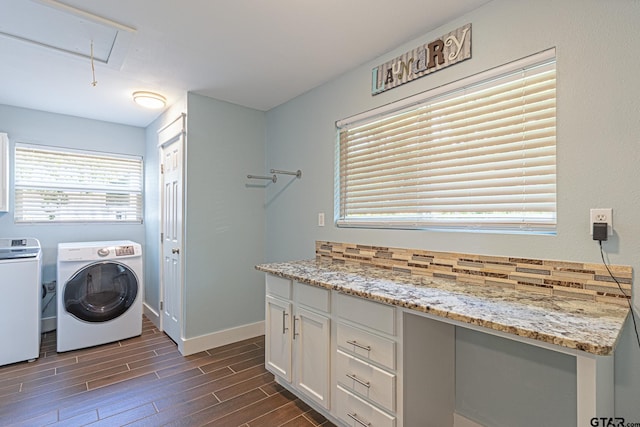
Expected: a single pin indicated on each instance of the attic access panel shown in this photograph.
(53, 25)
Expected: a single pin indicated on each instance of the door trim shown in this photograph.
(167, 135)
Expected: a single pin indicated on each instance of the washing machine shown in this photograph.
(99, 293)
(20, 299)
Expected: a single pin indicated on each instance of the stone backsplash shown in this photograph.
(567, 278)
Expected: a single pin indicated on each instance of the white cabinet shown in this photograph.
(366, 363)
(356, 412)
(298, 337)
(341, 354)
(278, 343)
(312, 355)
(366, 379)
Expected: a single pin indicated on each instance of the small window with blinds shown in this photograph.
(55, 185)
(478, 154)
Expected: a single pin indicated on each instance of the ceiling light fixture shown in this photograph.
(149, 99)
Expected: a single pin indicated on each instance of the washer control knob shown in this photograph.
(103, 252)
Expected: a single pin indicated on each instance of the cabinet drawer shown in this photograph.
(278, 286)
(356, 412)
(368, 313)
(312, 296)
(366, 380)
(367, 346)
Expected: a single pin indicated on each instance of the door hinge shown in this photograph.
(161, 168)
(161, 305)
(162, 237)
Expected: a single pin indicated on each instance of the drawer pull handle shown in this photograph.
(355, 418)
(367, 384)
(357, 344)
(294, 328)
(284, 322)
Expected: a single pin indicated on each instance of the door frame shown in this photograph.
(167, 135)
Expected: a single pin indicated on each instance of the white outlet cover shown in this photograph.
(601, 215)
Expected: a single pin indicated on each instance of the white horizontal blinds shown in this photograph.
(482, 155)
(55, 185)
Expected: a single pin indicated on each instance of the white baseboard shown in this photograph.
(48, 324)
(189, 346)
(460, 421)
(151, 314)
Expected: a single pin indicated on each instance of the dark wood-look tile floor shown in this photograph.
(144, 381)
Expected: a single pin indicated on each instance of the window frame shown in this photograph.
(133, 188)
(547, 225)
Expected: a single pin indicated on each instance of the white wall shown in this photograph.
(38, 127)
(598, 153)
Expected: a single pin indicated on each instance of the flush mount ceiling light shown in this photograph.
(149, 99)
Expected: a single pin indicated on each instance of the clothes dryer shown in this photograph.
(99, 293)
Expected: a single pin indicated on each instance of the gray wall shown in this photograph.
(38, 127)
(597, 153)
(224, 219)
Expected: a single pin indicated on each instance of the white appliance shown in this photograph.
(99, 293)
(20, 299)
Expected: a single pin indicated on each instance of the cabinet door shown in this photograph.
(312, 353)
(278, 337)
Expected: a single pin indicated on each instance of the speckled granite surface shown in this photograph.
(564, 321)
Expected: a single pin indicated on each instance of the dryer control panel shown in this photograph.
(91, 251)
(125, 250)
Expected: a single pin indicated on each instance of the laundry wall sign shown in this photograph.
(447, 50)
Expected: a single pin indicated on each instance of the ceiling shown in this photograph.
(254, 53)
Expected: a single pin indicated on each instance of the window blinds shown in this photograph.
(56, 185)
(481, 156)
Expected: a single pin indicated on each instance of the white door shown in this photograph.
(172, 153)
(278, 337)
(312, 354)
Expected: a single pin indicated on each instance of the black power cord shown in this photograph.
(627, 297)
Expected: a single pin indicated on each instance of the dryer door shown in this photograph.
(100, 292)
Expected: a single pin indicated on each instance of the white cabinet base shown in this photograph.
(416, 351)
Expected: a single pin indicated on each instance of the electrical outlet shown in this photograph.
(321, 219)
(601, 215)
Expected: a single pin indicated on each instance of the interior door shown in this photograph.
(172, 182)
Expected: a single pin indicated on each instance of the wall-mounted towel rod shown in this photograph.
(297, 173)
(273, 178)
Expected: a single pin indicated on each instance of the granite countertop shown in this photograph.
(564, 321)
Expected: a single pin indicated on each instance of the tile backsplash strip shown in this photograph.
(567, 278)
